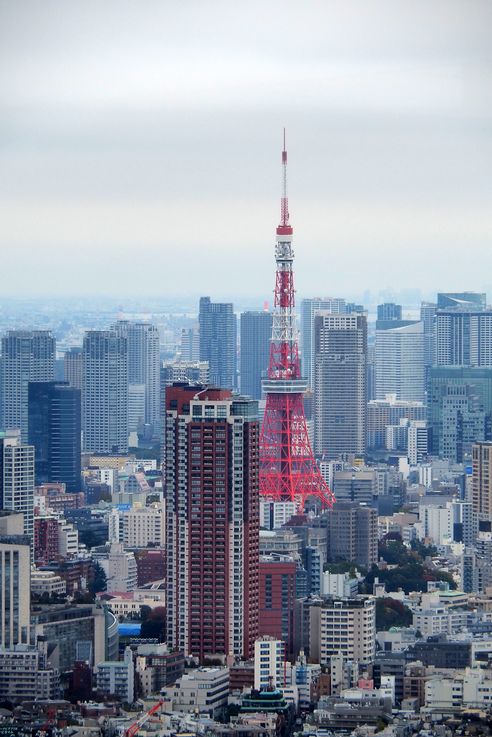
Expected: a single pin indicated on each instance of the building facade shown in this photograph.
(105, 397)
(353, 534)
(15, 591)
(218, 341)
(256, 332)
(26, 356)
(55, 432)
(399, 361)
(344, 627)
(143, 365)
(309, 308)
(340, 384)
(459, 409)
(17, 478)
(212, 521)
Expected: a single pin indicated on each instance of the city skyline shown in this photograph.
(119, 128)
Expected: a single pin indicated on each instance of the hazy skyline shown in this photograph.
(140, 145)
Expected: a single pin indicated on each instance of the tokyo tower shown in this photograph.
(288, 471)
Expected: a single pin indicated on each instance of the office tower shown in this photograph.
(482, 480)
(472, 301)
(74, 367)
(344, 627)
(353, 534)
(356, 486)
(218, 341)
(212, 521)
(15, 590)
(26, 356)
(190, 344)
(399, 354)
(288, 471)
(459, 409)
(105, 397)
(309, 308)
(388, 311)
(417, 441)
(55, 432)
(17, 478)
(340, 384)
(143, 364)
(256, 332)
(383, 413)
(463, 338)
(428, 318)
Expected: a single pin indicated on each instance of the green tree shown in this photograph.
(392, 613)
(98, 581)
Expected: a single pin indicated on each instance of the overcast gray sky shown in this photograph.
(140, 145)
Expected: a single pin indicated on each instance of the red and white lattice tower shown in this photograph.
(288, 471)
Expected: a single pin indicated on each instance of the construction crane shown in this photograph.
(133, 728)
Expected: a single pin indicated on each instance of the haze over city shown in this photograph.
(140, 146)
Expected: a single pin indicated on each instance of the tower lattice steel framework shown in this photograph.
(288, 471)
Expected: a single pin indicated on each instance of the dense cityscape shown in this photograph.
(245, 370)
(218, 530)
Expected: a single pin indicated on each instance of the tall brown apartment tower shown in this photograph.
(212, 522)
(482, 480)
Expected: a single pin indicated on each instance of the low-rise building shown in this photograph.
(115, 677)
(25, 675)
(204, 690)
(47, 582)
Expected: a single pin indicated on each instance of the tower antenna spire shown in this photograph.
(288, 471)
(284, 204)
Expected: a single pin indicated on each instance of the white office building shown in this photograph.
(399, 354)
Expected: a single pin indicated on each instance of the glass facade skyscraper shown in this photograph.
(55, 433)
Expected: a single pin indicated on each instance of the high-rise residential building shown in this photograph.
(143, 364)
(388, 311)
(428, 318)
(218, 341)
(383, 413)
(256, 333)
(340, 382)
(27, 355)
(343, 627)
(482, 480)
(459, 409)
(105, 396)
(17, 478)
(399, 360)
(463, 338)
(309, 308)
(55, 432)
(74, 367)
(190, 344)
(353, 533)
(212, 521)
